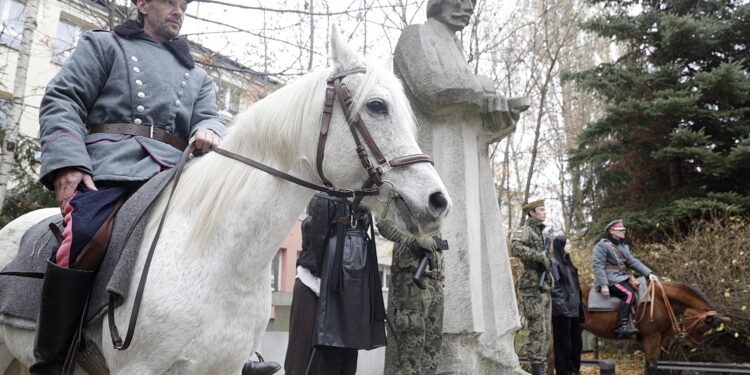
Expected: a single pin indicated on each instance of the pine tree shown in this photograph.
(674, 143)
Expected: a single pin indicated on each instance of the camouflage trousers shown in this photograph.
(537, 308)
(417, 317)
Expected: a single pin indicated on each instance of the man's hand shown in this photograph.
(205, 139)
(66, 182)
(605, 290)
(652, 277)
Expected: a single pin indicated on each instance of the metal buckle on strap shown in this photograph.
(151, 132)
(385, 167)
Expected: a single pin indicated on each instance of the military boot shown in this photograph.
(64, 295)
(260, 368)
(537, 369)
(623, 322)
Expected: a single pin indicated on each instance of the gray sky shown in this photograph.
(270, 41)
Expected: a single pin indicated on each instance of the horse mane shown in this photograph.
(697, 292)
(271, 131)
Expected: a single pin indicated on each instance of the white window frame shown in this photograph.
(11, 28)
(59, 55)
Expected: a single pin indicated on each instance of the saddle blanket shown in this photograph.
(20, 296)
(600, 302)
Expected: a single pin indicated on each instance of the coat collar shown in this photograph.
(132, 29)
(534, 223)
(614, 241)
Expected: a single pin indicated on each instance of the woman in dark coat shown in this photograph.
(567, 309)
(337, 302)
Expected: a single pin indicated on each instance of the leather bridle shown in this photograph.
(336, 89)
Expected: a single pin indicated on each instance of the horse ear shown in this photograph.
(342, 56)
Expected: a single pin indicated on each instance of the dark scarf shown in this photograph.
(615, 241)
(132, 29)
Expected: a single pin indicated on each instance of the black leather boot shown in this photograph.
(64, 295)
(623, 322)
(260, 368)
(537, 369)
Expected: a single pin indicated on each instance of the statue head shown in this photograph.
(452, 13)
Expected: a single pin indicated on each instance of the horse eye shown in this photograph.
(377, 106)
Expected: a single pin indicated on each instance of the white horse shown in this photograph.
(207, 301)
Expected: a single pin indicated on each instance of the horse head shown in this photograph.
(699, 323)
(411, 196)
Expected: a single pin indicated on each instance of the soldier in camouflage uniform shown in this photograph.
(415, 314)
(528, 245)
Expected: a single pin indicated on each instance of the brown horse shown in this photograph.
(692, 318)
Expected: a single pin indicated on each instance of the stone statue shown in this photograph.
(460, 114)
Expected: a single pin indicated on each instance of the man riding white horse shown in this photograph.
(119, 112)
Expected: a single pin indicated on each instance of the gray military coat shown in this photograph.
(123, 77)
(604, 256)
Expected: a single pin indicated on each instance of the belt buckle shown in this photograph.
(151, 134)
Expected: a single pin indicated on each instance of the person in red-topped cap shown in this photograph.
(610, 261)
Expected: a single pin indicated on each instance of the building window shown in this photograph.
(11, 23)
(66, 39)
(229, 99)
(276, 271)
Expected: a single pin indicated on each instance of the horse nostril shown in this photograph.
(438, 202)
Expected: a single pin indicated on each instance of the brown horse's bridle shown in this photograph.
(337, 90)
(679, 328)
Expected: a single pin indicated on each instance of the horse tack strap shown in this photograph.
(345, 73)
(651, 291)
(339, 193)
(345, 100)
(698, 319)
(324, 127)
(117, 342)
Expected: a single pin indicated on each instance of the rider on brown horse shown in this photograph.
(610, 259)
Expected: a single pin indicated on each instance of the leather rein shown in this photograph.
(336, 90)
(680, 329)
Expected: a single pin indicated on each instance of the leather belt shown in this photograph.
(148, 131)
(610, 267)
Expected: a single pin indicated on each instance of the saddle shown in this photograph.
(600, 302)
(19, 296)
